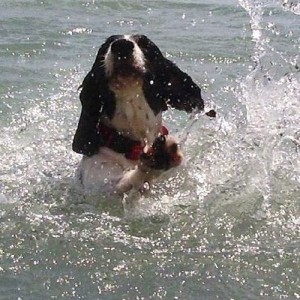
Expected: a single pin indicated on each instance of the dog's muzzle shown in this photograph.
(122, 49)
(124, 58)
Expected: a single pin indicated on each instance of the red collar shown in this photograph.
(114, 140)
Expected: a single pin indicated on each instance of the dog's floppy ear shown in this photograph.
(165, 83)
(181, 91)
(168, 84)
(95, 98)
(86, 140)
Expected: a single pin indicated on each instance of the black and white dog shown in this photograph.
(123, 96)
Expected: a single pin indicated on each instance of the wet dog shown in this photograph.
(123, 96)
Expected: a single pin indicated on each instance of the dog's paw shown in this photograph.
(163, 154)
(132, 179)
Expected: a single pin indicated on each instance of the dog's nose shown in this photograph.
(122, 48)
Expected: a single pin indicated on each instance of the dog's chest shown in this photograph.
(133, 116)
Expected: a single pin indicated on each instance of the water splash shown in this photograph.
(224, 225)
(292, 6)
(237, 167)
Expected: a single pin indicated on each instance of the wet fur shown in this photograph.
(160, 84)
(129, 86)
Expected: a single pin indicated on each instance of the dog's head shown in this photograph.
(125, 57)
(163, 154)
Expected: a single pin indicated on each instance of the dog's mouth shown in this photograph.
(127, 69)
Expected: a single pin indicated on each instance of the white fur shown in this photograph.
(133, 116)
(136, 179)
(138, 56)
(109, 172)
(102, 171)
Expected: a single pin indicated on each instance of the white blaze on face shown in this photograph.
(108, 62)
(138, 55)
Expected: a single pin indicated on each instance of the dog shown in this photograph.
(123, 97)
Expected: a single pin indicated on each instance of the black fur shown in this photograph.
(159, 158)
(164, 84)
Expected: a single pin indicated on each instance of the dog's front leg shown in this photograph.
(138, 179)
(132, 179)
(157, 158)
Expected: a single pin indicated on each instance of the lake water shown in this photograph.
(225, 225)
